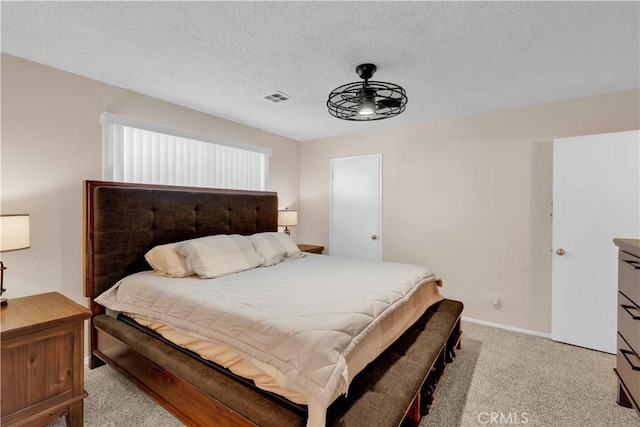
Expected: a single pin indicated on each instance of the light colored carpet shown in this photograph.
(548, 383)
(498, 378)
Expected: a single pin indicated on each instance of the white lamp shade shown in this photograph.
(14, 232)
(287, 218)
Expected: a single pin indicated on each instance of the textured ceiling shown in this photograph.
(453, 58)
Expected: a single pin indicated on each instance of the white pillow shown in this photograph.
(216, 256)
(274, 248)
(167, 262)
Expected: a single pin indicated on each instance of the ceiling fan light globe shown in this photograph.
(366, 109)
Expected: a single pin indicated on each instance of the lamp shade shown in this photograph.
(14, 232)
(287, 218)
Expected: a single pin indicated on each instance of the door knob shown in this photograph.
(374, 237)
(560, 252)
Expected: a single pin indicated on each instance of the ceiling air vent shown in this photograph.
(276, 97)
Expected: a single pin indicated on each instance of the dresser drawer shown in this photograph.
(628, 366)
(629, 276)
(629, 322)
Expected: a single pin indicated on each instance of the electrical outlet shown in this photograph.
(495, 302)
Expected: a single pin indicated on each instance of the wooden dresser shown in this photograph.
(42, 360)
(628, 357)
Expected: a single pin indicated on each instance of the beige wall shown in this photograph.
(51, 142)
(470, 198)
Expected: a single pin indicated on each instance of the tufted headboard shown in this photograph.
(123, 221)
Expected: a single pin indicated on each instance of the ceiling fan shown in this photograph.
(367, 100)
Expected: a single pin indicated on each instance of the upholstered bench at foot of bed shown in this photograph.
(393, 385)
(389, 388)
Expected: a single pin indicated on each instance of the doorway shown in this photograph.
(356, 207)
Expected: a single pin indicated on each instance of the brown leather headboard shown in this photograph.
(123, 221)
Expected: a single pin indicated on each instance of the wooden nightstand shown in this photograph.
(42, 360)
(314, 249)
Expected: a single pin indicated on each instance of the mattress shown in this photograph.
(303, 328)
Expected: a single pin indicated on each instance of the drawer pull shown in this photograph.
(634, 264)
(627, 354)
(629, 308)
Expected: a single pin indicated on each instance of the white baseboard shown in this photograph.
(507, 327)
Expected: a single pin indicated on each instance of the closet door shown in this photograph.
(356, 207)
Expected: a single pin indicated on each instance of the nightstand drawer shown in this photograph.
(628, 366)
(629, 276)
(37, 368)
(629, 322)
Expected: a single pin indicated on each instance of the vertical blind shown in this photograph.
(143, 152)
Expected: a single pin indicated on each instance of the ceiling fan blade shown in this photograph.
(389, 103)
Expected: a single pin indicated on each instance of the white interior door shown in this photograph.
(596, 197)
(356, 207)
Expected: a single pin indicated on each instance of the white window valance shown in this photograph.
(138, 151)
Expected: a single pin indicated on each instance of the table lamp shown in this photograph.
(287, 218)
(14, 235)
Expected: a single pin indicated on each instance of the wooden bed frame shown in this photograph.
(123, 221)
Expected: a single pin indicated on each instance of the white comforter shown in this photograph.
(297, 320)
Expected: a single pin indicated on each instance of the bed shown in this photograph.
(124, 221)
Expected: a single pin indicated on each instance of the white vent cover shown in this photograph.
(276, 97)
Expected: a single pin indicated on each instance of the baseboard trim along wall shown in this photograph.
(507, 327)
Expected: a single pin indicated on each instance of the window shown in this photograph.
(144, 152)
